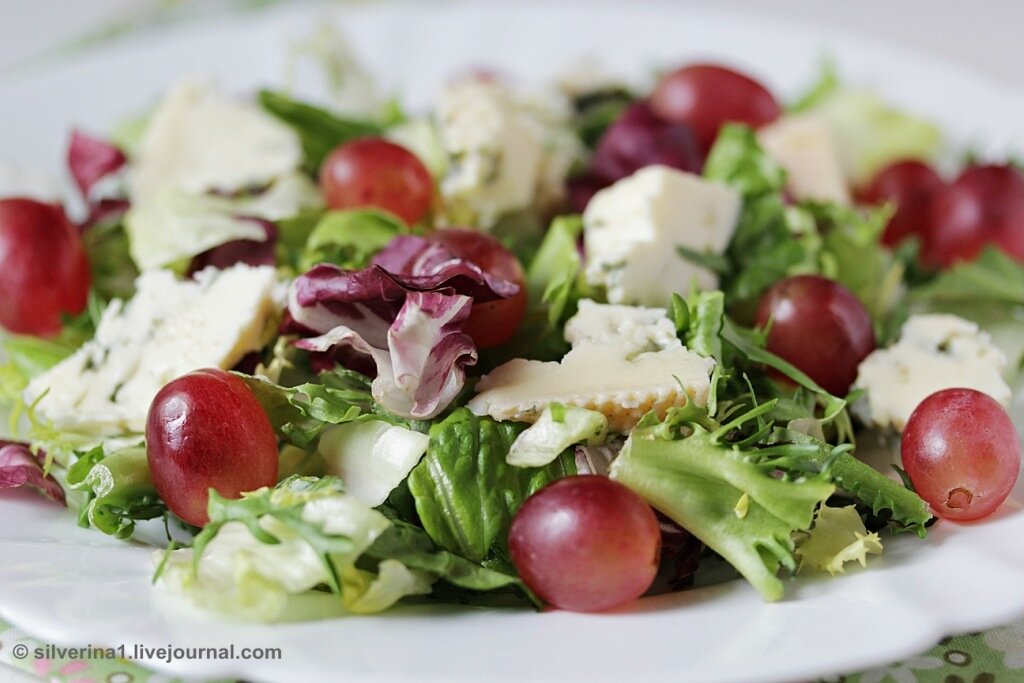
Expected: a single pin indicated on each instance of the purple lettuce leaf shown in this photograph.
(249, 252)
(421, 366)
(91, 159)
(19, 467)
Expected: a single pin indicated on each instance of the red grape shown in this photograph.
(706, 96)
(372, 172)
(207, 430)
(586, 544)
(44, 272)
(910, 185)
(490, 323)
(962, 453)
(820, 327)
(985, 205)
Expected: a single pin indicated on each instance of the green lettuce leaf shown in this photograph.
(350, 238)
(557, 428)
(465, 492)
(726, 493)
(319, 130)
(838, 537)
(994, 278)
(119, 490)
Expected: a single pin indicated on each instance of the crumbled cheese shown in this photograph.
(632, 231)
(168, 329)
(505, 153)
(622, 371)
(934, 352)
(803, 145)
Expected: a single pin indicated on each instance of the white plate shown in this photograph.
(74, 586)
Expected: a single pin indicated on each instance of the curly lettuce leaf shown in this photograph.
(724, 493)
(838, 537)
(465, 492)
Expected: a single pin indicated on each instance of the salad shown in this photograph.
(564, 346)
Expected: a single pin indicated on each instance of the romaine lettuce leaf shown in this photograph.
(372, 457)
(465, 492)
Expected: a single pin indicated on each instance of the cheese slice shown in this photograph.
(803, 146)
(623, 364)
(169, 328)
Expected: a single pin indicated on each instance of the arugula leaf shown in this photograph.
(466, 493)
(726, 493)
(350, 238)
(319, 130)
(119, 490)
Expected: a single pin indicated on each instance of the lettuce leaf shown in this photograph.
(119, 490)
(725, 493)
(350, 239)
(21, 468)
(372, 457)
(557, 428)
(319, 130)
(994, 278)
(838, 537)
(465, 492)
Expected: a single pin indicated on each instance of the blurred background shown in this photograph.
(983, 35)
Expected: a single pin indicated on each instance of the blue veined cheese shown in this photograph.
(169, 328)
(633, 229)
(622, 373)
(804, 147)
(505, 152)
(935, 352)
(199, 149)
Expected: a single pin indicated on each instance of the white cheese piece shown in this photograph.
(604, 372)
(804, 147)
(633, 228)
(168, 329)
(636, 328)
(371, 457)
(200, 140)
(935, 352)
(505, 153)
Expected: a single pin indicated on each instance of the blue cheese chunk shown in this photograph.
(633, 231)
(935, 352)
(803, 145)
(622, 372)
(169, 328)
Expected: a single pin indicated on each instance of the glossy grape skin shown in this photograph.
(586, 544)
(207, 430)
(962, 453)
(637, 139)
(373, 172)
(490, 323)
(820, 327)
(707, 96)
(984, 205)
(911, 185)
(44, 271)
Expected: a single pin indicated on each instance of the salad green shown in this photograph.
(417, 362)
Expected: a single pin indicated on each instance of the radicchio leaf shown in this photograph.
(90, 160)
(421, 366)
(20, 467)
(249, 252)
